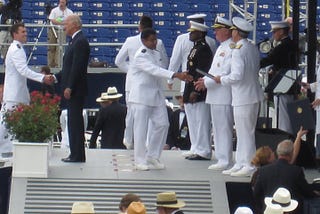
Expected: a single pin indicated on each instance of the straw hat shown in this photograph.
(169, 199)
(282, 197)
(112, 93)
(273, 209)
(82, 207)
(136, 207)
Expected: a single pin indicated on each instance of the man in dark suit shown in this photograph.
(282, 174)
(178, 129)
(110, 120)
(74, 85)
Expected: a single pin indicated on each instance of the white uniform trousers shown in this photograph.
(222, 127)
(245, 118)
(128, 131)
(149, 122)
(284, 119)
(199, 123)
(5, 138)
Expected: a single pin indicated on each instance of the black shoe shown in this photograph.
(68, 159)
(196, 157)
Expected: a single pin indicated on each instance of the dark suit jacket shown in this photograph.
(175, 130)
(75, 64)
(179, 212)
(111, 121)
(281, 174)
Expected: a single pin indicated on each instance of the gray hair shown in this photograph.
(285, 148)
(74, 18)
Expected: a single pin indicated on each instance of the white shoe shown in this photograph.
(186, 154)
(129, 146)
(142, 167)
(155, 164)
(232, 170)
(218, 166)
(243, 172)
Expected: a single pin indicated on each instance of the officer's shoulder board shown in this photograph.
(19, 46)
(143, 50)
(234, 46)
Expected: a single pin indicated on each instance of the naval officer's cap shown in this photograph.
(275, 25)
(241, 24)
(195, 26)
(198, 17)
(220, 22)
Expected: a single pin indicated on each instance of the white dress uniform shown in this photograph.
(123, 59)
(219, 98)
(148, 105)
(15, 86)
(180, 52)
(246, 95)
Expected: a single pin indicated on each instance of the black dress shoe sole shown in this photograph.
(196, 157)
(70, 160)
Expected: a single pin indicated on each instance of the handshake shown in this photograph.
(49, 79)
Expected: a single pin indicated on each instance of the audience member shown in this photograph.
(124, 58)
(182, 48)
(136, 207)
(282, 197)
(82, 207)
(282, 173)
(179, 129)
(110, 121)
(55, 33)
(243, 210)
(126, 201)
(219, 96)
(246, 95)
(197, 111)
(167, 203)
(149, 109)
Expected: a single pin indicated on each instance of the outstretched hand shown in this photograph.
(184, 76)
(48, 79)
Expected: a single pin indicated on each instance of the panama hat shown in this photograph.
(243, 210)
(112, 93)
(282, 197)
(169, 199)
(136, 207)
(273, 209)
(82, 207)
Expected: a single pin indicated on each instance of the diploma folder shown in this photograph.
(204, 73)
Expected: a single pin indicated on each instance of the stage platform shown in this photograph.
(109, 174)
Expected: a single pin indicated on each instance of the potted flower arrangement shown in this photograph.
(32, 127)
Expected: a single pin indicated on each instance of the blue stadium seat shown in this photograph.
(38, 14)
(79, 5)
(220, 8)
(161, 15)
(162, 24)
(179, 24)
(263, 26)
(41, 50)
(123, 6)
(121, 32)
(265, 8)
(94, 6)
(177, 16)
(135, 16)
(100, 32)
(201, 7)
(38, 60)
(99, 39)
(98, 15)
(83, 14)
(119, 15)
(164, 33)
(160, 6)
(180, 7)
(35, 5)
(139, 6)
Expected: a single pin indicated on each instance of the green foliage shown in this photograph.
(34, 122)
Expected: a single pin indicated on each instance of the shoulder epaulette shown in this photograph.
(18, 46)
(238, 46)
(232, 45)
(143, 50)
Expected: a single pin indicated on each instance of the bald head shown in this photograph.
(72, 24)
(285, 149)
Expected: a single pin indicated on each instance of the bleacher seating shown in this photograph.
(169, 19)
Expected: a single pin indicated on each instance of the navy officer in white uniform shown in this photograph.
(148, 102)
(15, 83)
(219, 96)
(246, 95)
(123, 60)
(182, 48)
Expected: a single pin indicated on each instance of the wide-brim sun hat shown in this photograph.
(169, 199)
(282, 197)
(112, 93)
(82, 207)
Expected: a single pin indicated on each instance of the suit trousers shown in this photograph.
(198, 115)
(150, 122)
(284, 119)
(5, 138)
(245, 119)
(128, 131)
(222, 127)
(76, 127)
